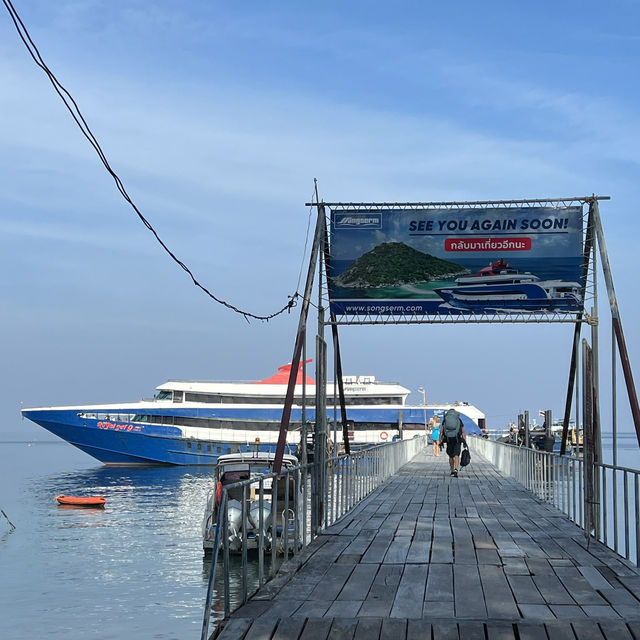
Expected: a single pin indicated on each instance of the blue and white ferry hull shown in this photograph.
(116, 436)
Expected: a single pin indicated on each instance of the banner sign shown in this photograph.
(456, 261)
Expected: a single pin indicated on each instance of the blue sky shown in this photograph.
(218, 117)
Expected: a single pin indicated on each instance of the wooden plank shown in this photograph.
(282, 607)
(368, 629)
(359, 582)
(559, 630)
(444, 630)
(332, 582)
(498, 597)
(619, 596)
(595, 578)
(574, 582)
(393, 629)
(628, 612)
(500, 631)
(419, 552)
(410, 591)
(599, 611)
(397, 551)
(342, 629)
(530, 631)
(516, 566)
(343, 609)
(378, 548)
(386, 582)
(567, 611)
(316, 629)
(289, 628)
(313, 608)
(614, 630)
(440, 583)
(488, 556)
(418, 629)
(234, 629)
(471, 631)
(261, 629)
(536, 612)
(467, 592)
(587, 630)
(435, 610)
(525, 590)
(552, 589)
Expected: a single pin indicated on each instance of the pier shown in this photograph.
(426, 555)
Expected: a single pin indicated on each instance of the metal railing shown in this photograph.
(303, 500)
(560, 480)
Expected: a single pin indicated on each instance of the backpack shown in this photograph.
(465, 458)
(452, 424)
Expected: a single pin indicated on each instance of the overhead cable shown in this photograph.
(76, 114)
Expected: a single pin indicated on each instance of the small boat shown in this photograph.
(82, 501)
(234, 468)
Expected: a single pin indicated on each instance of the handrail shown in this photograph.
(559, 480)
(207, 606)
(348, 479)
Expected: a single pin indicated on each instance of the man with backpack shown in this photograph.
(452, 434)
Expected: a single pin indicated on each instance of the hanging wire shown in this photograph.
(76, 114)
(306, 242)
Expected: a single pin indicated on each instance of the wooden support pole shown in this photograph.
(588, 244)
(297, 349)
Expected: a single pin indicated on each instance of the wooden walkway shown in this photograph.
(427, 556)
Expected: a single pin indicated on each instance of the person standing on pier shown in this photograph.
(453, 435)
(434, 423)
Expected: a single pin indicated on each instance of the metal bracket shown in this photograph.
(592, 321)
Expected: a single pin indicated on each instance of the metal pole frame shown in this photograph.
(573, 367)
(616, 321)
(297, 349)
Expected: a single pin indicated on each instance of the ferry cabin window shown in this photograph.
(164, 395)
(350, 400)
(177, 396)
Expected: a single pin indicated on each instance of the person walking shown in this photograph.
(435, 435)
(452, 434)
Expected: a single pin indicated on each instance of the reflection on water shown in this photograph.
(235, 579)
(134, 568)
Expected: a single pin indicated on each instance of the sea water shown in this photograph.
(134, 569)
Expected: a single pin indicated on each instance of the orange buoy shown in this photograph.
(82, 501)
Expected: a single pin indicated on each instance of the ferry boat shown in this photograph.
(500, 287)
(195, 422)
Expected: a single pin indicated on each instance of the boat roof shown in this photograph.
(256, 456)
(354, 385)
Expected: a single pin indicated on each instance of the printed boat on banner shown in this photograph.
(190, 422)
(499, 287)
